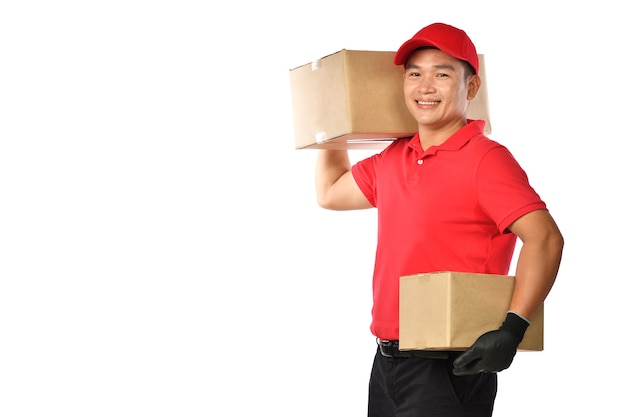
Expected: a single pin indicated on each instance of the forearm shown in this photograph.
(330, 166)
(536, 271)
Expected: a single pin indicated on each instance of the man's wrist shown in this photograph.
(519, 315)
(515, 324)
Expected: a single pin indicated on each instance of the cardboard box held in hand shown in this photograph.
(450, 310)
(355, 100)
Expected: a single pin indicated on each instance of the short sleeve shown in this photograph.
(504, 192)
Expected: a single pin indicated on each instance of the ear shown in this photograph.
(473, 85)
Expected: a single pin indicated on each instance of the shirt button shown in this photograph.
(420, 161)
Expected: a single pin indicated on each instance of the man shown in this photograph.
(448, 199)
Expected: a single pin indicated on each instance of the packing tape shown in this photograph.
(320, 137)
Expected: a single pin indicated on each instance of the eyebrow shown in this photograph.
(441, 66)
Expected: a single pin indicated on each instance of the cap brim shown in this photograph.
(408, 47)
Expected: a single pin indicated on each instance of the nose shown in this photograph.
(425, 85)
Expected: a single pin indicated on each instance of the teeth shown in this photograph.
(428, 103)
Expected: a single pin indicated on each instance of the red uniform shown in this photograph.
(443, 209)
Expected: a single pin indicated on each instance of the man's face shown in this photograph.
(436, 89)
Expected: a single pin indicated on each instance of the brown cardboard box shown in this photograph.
(354, 100)
(450, 310)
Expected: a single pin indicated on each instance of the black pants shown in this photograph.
(419, 387)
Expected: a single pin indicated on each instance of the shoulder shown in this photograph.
(483, 147)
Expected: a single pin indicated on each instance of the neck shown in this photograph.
(435, 136)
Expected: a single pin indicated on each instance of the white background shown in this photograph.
(161, 251)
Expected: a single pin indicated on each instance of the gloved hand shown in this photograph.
(494, 350)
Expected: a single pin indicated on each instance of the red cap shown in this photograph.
(451, 40)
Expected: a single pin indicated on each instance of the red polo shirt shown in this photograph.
(445, 209)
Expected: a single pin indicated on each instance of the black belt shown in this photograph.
(390, 349)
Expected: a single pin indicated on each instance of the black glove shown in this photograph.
(494, 350)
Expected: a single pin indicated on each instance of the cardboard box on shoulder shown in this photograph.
(354, 100)
(450, 310)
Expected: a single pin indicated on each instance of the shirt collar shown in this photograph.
(454, 142)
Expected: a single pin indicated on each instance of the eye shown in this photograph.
(412, 74)
(442, 75)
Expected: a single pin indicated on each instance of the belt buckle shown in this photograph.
(385, 348)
